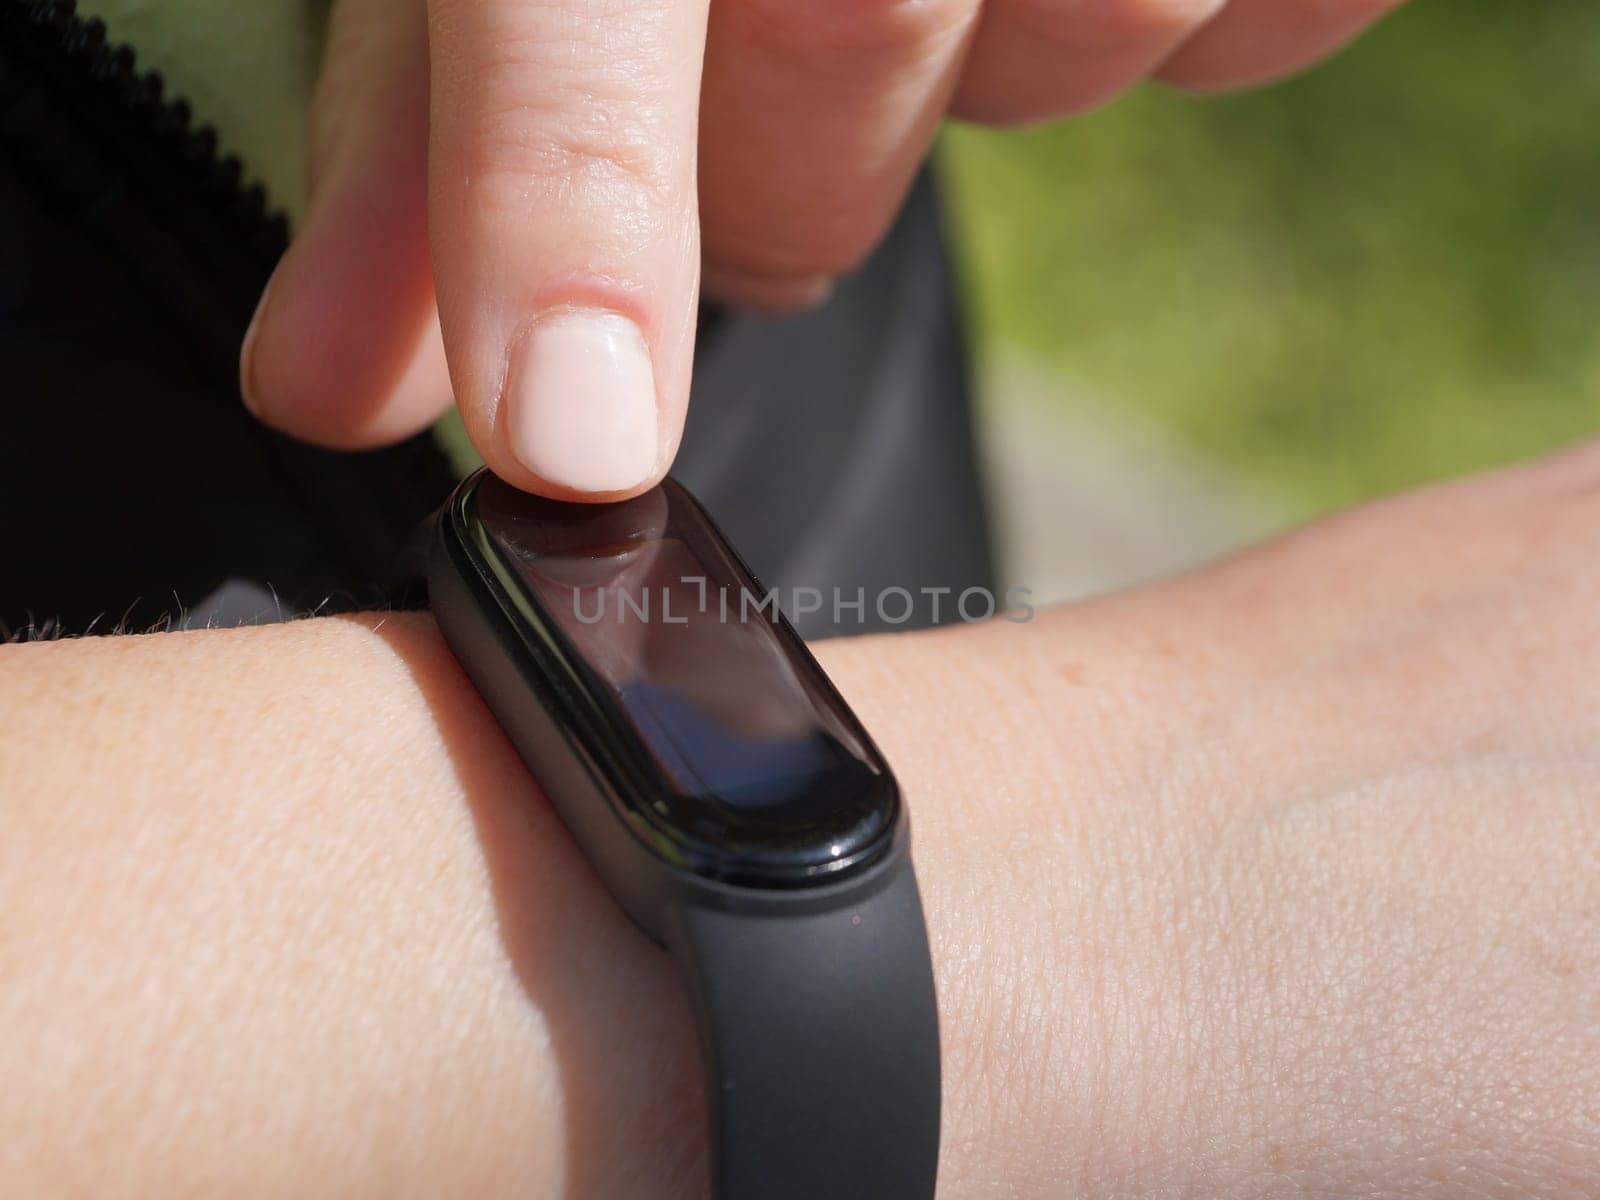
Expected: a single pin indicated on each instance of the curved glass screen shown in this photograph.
(712, 722)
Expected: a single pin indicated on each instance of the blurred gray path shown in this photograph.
(1087, 500)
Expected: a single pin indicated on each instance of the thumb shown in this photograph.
(564, 233)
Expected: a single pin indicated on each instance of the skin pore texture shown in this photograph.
(1280, 878)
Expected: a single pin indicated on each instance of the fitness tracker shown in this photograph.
(735, 808)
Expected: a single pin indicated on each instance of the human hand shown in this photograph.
(521, 188)
(1281, 878)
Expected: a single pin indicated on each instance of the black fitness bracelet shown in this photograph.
(735, 808)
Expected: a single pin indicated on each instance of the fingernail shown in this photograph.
(581, 402)
(247, 353)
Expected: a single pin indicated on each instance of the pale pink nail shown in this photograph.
(581, 402)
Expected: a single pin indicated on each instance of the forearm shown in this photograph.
(284, 915)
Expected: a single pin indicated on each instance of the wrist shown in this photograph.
(993, 755)
(377, 941)
(300, 924)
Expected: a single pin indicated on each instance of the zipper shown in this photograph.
(109, 153)
(102, 83)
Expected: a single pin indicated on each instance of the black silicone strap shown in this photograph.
(822, 1046)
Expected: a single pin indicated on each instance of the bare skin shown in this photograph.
(513, 202)
(1281, 878)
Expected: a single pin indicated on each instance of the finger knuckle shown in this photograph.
(838, 37)
(819, 247)
(579, 118)
(1111, 24)
(535, 150)
(586, 154)
(1364, 10)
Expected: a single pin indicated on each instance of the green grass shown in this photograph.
(1383, 272)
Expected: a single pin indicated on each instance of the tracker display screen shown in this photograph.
(730, 739)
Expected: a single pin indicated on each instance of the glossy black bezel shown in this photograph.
(557, 678)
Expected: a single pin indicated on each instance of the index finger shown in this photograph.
(564, 233)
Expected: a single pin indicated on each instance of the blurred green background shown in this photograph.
(1381, 272)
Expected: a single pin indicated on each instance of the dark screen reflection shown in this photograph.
(750, 745)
